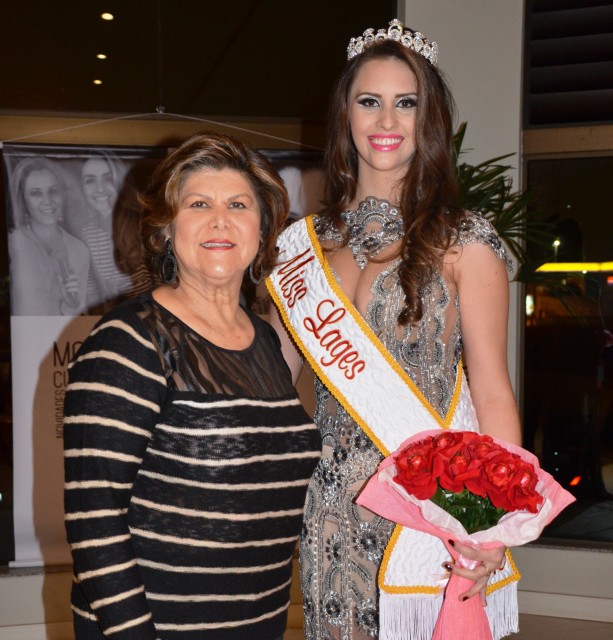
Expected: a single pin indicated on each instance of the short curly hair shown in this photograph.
(160, 201)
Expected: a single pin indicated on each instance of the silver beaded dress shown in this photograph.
(342, 544)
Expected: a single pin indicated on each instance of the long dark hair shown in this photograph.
(429, 198)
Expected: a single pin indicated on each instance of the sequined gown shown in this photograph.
(342, 544)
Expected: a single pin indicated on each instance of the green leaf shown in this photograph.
(472, 511)
(487, 188)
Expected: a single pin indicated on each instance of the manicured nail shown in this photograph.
(464, 598)
(451, 542)
(447, 566)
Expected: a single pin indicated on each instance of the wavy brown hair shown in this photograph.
(160, 201)
(429, 198)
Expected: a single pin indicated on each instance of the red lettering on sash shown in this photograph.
(340, 351)
(291, 279)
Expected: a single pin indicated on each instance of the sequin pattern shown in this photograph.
(342, 544)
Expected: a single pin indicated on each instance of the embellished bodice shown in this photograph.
(429, 351)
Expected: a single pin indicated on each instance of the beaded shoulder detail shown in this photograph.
(475, 227)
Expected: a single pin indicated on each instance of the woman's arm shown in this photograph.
(483, 292)
(116, 387)
(290, 352)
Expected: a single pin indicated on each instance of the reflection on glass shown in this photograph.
(568, 370)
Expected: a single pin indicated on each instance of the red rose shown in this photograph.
(414, 469)
(462, 472)
(496, 478)
(522, 492)
(446, 440)
(483, 447)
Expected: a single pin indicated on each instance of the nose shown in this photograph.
(219, 218)
(387, 117)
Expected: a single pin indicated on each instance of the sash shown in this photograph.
(379, 395)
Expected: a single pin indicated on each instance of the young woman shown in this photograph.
(393, 262)
(49, 266)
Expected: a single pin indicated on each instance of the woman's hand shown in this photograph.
(488, 562)
(70, 294)
(71, 284)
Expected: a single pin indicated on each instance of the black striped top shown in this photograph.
(186, 468)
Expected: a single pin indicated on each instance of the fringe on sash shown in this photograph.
(412, 617)
(409, 617)
(502, 611)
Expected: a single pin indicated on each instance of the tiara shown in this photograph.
(408, 38)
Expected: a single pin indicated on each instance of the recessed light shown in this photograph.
(101, 56)
(97, 81)
(107, 16)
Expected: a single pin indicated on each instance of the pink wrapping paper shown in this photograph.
(462, 620)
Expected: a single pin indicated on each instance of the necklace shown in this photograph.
(366, 244)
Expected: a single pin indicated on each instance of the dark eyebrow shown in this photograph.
(378, 95)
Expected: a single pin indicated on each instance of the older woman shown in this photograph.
(187, 451)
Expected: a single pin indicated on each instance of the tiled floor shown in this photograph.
(538, 628)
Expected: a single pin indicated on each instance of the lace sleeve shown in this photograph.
(474, 227)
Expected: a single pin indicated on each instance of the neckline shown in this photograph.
(48, 251)
(372, 227)
(374, 203)
(178, 320)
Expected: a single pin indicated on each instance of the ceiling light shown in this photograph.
(97, 81)
(107, 16)
(101, 56)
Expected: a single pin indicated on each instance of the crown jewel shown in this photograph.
(408, 38)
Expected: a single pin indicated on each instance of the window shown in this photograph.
(568, 381)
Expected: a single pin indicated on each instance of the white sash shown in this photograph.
(362, 375)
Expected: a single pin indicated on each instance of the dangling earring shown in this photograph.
(252, 277)
(168, 268)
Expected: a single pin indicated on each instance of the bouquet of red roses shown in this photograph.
(469, 487)
(471, 477)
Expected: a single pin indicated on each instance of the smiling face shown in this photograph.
(98, 185)
(382, 105)
(43, 197)
(216, 231)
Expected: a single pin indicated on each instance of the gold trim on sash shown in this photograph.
(390, 588)
(424, 589)
(369, 334)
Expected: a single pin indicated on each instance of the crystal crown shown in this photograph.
(408, 38)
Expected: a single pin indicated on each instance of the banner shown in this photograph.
(74, 251)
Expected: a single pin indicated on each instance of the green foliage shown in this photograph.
(474, 512)
(488, 189)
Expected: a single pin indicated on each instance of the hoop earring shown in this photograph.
(252, 277)
(168, 268)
